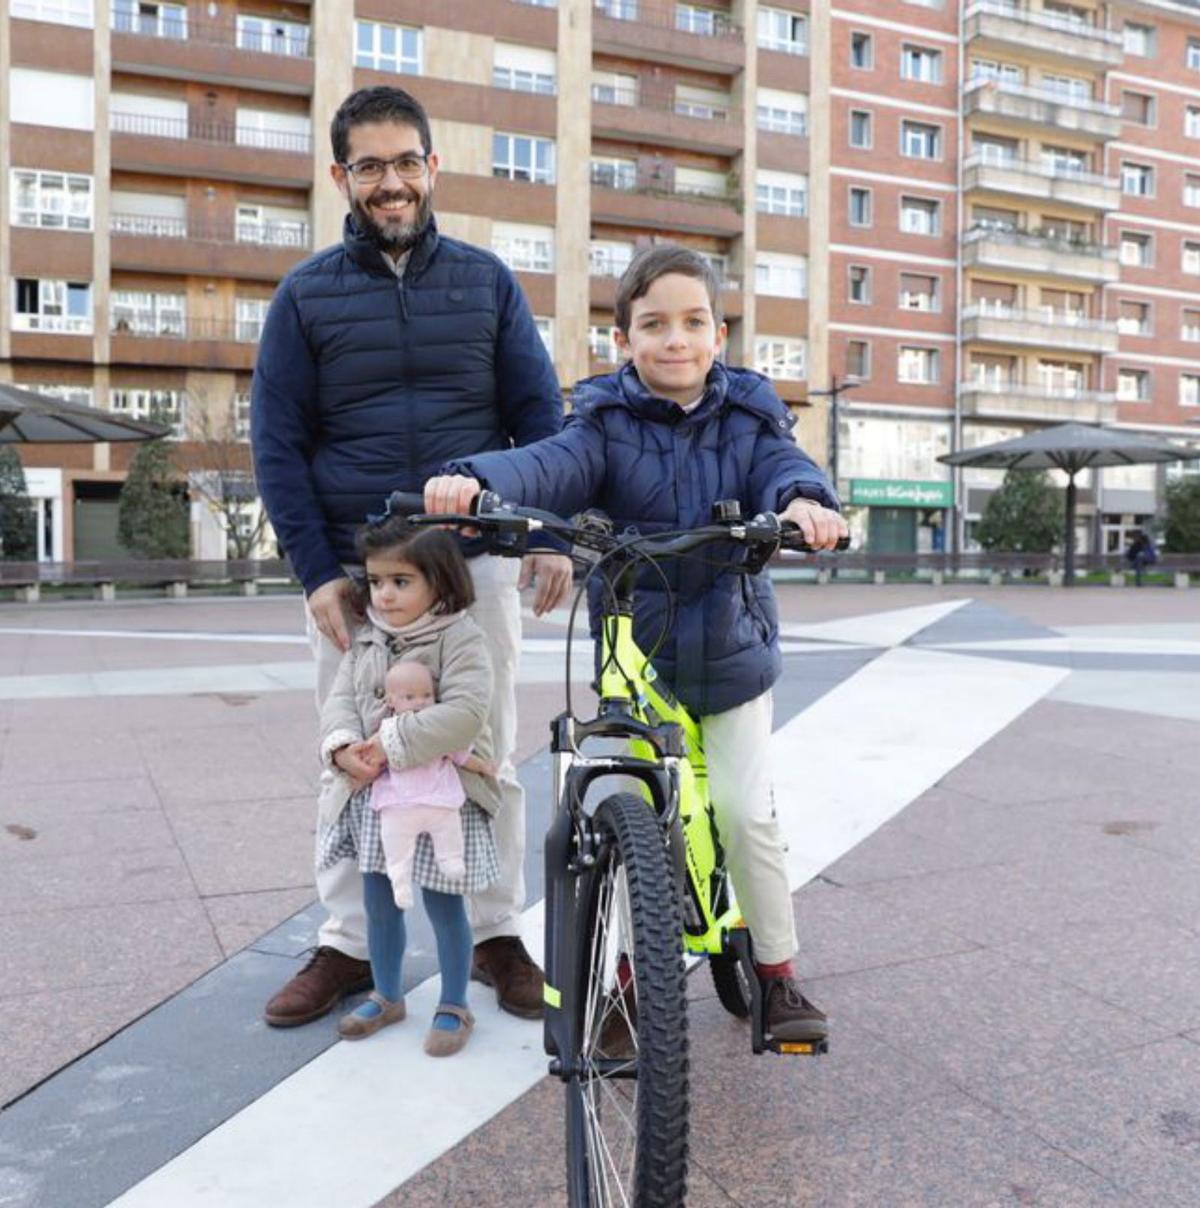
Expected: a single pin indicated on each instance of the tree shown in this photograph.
(1024, 515)
(1181, 533)
(18, 531)
(152, 517)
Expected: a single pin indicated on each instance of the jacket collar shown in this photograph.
(366, 254)
(634, 394)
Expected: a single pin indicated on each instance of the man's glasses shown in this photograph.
(408, 166)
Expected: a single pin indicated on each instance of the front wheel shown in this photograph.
(627, 1105)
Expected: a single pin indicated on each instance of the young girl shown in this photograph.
(418, 588)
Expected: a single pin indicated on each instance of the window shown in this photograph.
(1064, 161)
(524, 248)
(62, 12)
(858, 359)
(919, 216)
(781, 275)
(781, 358)
(162, 406)
(1189, 390)
(993, 372)
(1191, 189)
(61, 306)
(51, 98)
(614, 88)
(860, 128)
(919, 291)
(781, 30)
(1137, 180)
(142, 313)
(993, 218)
(271, 36)
(524, 68)
(249, 316)
(781, 193)
(1133, 385)
(1189, 327)
(701, 182)
(693, 19)
(997, 73)
(782, 112)
(382, 47)
(993, 297)
(273, 225)
(862, 51)
(609, 258)
(618, 10)
(1133, 318)
(601, 344)
(1191, 257)
(921, 64)
(860, 207)
(917, 366)
(153, 20)
(1137, 107)
(545, 329)
(1193, 54)
(1068, 88)
(1139, 39)
(1191, 121)
(159, 215)
(274, 130)
(707, 103)
(920, 141)
(614, 173)
(522, 157)
(1137, 250)
(52, 200)
(1063, 304)
(859, 289)
(1063, 379)
(241, 415)
(995, 149)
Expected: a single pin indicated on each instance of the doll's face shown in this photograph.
(408, 687)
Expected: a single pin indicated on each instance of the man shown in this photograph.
(381, 359)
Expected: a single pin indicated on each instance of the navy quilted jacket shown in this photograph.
(366, 384)
(648, 464)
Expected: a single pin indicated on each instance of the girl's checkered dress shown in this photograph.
(355, 835)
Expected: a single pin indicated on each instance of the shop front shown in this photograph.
(903, 516)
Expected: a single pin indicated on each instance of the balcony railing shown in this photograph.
(269, 234)
(1033, 167)
(1047, 96)
(76, 325)
(1045, 315)
(296, 46)
(1039, 240)
(683, 18)
(190, 129)
(240, 331)
(1060, 23)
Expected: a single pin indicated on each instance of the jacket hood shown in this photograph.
(365, 252)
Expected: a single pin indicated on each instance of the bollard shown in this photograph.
(30, 593)
(995, 579)
(880, 577)
(177, 590)
(104, 591)
(248, 587)
(938, 578)
(1054, 578)
(824, 575)
(1182, 578)
(1116, 578)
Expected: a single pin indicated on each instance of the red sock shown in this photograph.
(769, 972)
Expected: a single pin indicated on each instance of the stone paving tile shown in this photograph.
(240, 919)
(946, 1153)
(79, 797)
(91, 753)
(977, 1017)
(29, 832)
(1132, 1116)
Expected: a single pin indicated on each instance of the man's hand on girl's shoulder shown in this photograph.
(822, 527)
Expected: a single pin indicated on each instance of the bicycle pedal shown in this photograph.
(798, 1048)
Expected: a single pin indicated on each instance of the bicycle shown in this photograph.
(631, 890)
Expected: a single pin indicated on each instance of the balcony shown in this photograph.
(1025, 252)
(663, 32)
(1045, 328)
(1002, 27)
(1044, 108)
(1001, 400)
(665, 122)
(253, 251)
(197, 344)
(217, 53)
(642, 199)
(218, 150)
(1032, 179)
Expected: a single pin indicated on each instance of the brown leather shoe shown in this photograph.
(788, 1015)
(317, 988)
(504, 963)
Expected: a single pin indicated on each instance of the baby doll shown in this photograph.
(421, 800)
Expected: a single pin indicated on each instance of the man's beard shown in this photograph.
(394, 238)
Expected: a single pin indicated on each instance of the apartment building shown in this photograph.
(984, 215)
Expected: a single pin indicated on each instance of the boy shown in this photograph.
(655, 445)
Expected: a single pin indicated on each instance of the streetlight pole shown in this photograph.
(836, 388)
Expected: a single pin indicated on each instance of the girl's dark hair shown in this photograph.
(380, 104)
(658, 261)
(434, 552)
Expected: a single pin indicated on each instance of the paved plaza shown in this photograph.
(992, 802)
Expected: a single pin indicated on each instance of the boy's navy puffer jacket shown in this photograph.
(365, 384)
(650, 465)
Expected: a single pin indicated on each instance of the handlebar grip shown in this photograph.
(405, 503)
(792, 539)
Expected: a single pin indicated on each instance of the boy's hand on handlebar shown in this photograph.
(822, 527)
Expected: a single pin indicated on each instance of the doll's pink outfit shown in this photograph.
(414, 801)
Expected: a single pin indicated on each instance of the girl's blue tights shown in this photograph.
(386, 938)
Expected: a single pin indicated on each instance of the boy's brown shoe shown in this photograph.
(788, 1015)
(504, 964)
(327, 978)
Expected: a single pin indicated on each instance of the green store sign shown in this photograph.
(901, 493)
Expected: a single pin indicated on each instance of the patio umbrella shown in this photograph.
(31, 417)
(1071, 448)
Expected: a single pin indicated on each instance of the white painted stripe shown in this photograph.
(1137, 149)
(1192, 363)
(350, 1127)
(850, 249)
(1148, 83)
(1173, 695)
(913, 335)
(892, 102)
(163, 681)
(1142, 220)
(1081, 644)
(917, 31)
(909, 182)
(158, 635)
(877, 628)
